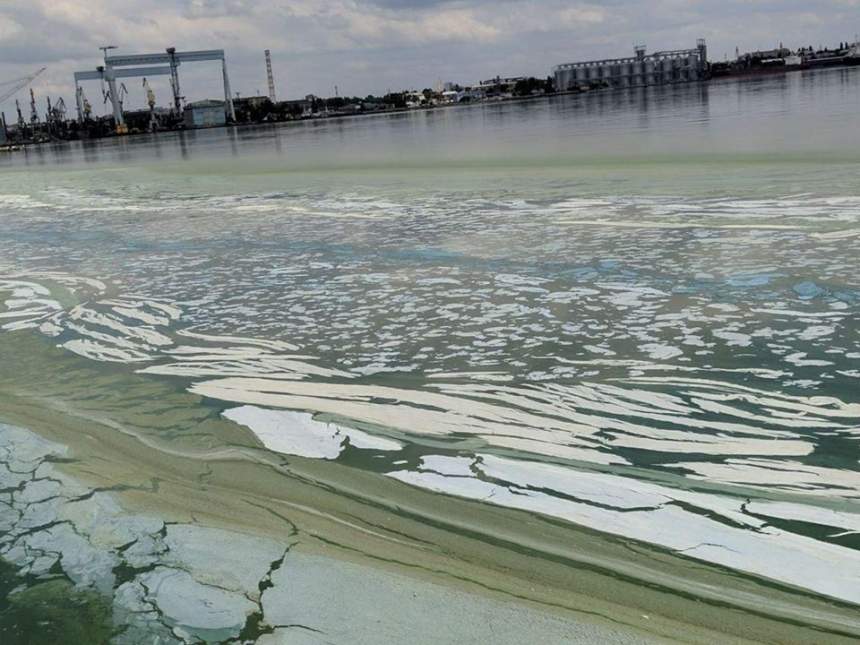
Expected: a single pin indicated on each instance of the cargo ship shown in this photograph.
(782, 60)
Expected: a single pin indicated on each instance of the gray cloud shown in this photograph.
(414, 5)
(217, 8)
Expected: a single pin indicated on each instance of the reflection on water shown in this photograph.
(760, 116)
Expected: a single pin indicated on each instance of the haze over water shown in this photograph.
(633, 312)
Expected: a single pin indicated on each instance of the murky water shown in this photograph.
(633, 313)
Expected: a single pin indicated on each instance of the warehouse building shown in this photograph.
(205, 114)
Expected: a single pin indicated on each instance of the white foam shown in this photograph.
(448, 466)
(733, 338)
(365, 441)
(290, 433)
(659, 351)
(28, 304)
(791, 512)
(614, 223)
(793, 313)
(647, 512)
(817, 331)
(770, 474)
(273, 345)
(297, 433)
(799, 359)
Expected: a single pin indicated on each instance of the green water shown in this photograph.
(630, 316)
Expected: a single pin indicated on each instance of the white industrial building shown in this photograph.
(636, 71)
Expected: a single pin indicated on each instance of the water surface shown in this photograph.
(631, 314)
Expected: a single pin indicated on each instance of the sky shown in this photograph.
(366, 47)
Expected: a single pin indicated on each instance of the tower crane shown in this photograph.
(57, 111)
(21, 123)
(85, 109)
(18, 83)
(34, 115)
(150, 95)
(60, 109)
(150, 101)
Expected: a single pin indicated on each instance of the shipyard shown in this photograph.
(58, 122)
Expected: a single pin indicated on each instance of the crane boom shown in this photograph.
(19, 83)
(150, 95)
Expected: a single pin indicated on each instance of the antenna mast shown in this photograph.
(271, 77)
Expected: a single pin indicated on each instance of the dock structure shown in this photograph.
(638, 70)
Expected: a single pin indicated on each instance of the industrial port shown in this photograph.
(639, 70)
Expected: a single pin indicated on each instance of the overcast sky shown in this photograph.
(370, 46)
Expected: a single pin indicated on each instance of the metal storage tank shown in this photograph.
(695, 67)
(668, 70)
(640, 73)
